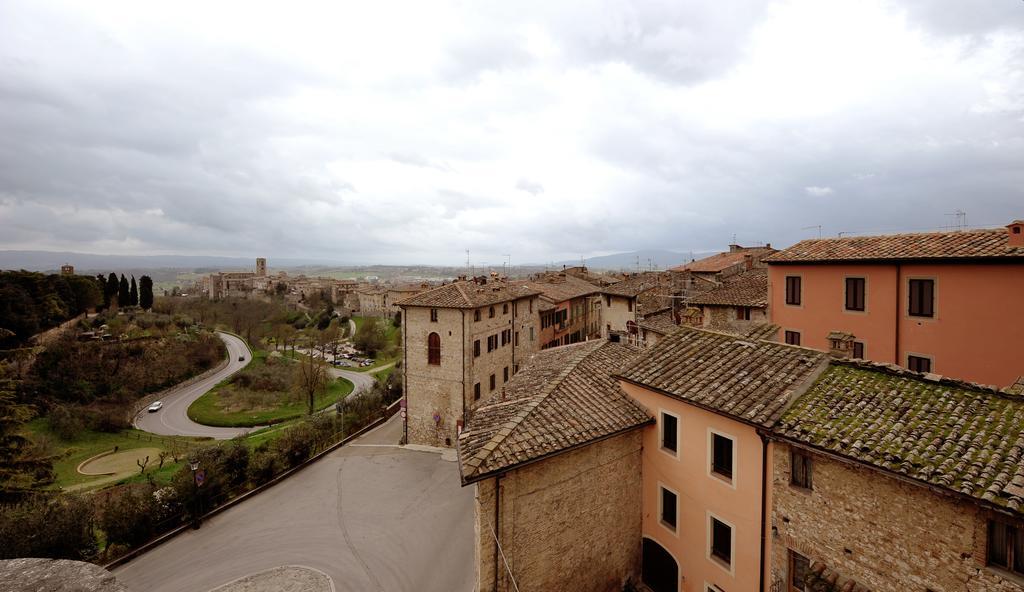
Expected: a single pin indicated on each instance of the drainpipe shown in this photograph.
(764, 503)
(463, 356)
(896, 346)
(405, 374)
(497, 527)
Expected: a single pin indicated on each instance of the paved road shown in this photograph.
(372, 516)
(173, 419)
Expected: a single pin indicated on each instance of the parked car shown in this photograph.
(366, 363)
(156, 406)
(241, 358)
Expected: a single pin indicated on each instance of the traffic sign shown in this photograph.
(200, 477)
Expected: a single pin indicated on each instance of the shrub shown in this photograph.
(296, 445)
(129, 516)
(60, 527)
(263, 466)
(67, 421)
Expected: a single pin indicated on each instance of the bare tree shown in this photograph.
(311, 373)
(142, 464)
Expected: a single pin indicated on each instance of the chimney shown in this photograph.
(734, 248)
(840, 345)
(748, 261)
(1016, 229)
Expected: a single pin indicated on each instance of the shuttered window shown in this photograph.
(434, 349)
(800, 474)
(922, 298)
(793, 290)
(855, 293)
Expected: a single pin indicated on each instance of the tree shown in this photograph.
(310, 376)
(110, 290)
(146, 292)
(133, 293)
(370, 337)
(21, 465)
(123, 293)
(102, 280)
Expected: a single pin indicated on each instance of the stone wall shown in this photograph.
(724, 318)
(569, 523)
(884, 534)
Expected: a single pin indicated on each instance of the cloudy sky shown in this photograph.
(411, 131)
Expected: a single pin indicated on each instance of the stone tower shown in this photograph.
(261, 267)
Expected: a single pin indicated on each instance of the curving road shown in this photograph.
(173, 419)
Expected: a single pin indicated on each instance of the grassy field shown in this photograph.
(87, 445)
(229, 405)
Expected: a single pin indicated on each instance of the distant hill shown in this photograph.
(84, 262)
(659, 258)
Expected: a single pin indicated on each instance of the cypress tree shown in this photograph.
(133, 293)
(123, 294)
(146, 292)
(110, 292)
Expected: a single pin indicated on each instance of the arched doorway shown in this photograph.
(659, 571)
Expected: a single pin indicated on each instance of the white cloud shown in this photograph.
(818, 191)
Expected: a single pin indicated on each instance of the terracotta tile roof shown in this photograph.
(752, 381)
(468, 294)
(762, 331)
(558, 287)
(972, 244)
(962, 437)
(561, 398)
(659, 322)
(720, 261)
(636, 285)
(749, 288)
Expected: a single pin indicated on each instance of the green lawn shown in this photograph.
(89, 444)
(208, 411)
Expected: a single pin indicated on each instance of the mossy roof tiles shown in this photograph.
(975, 244)
(561, 398)
(965, 438)
(750, 380)
(749, 288)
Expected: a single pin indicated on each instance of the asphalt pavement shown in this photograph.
(370, 515)
(172, 419)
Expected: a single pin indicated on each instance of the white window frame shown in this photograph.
(731, 569)
(673, 530)
(661, 433)
(712, 432)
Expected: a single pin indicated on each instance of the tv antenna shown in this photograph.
(818, 226)
(961, 219)
(508, 264)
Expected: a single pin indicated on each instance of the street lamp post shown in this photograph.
(193, 464)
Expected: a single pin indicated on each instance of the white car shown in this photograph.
(157, 406)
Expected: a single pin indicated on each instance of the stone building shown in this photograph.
(67, 269)
(737, 304)
(570, 308)
(655, 326)
(462, 342)
(372, 301)
(556, 462)
(705, 467)
(717, 267)
(626, 302)
(891, 480)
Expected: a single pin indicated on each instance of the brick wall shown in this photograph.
(883, 533)
(568, 523)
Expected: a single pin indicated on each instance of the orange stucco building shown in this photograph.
(917, 300)
(706, 463)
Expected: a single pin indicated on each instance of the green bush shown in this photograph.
(59, 527)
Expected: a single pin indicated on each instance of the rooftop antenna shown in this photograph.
(638, 263)
(961, 219)
(734, 238)
(508, 264)
(818, 226)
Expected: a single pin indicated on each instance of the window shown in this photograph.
(434, 349)
(492, 382)
(515, 368)
(476, 315)
(503, 338)
(531, 307)
(476, 348)
(433, 315)
(922, 298)
(668, 508)
(858, 350)
(721, 541)
(531, 333)
(919, 364)
(793, 290)
(490, 313)
(793, 337)
(742, 313)
(517, 340)
(504, 308)
(476, 392)
(855, 293)
(799, 569)
(492, 343)
(721, 455)
(669, 433)
(607, 301)
(629, 303)
(712, 588)
(1005, 546)
(800, 473)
